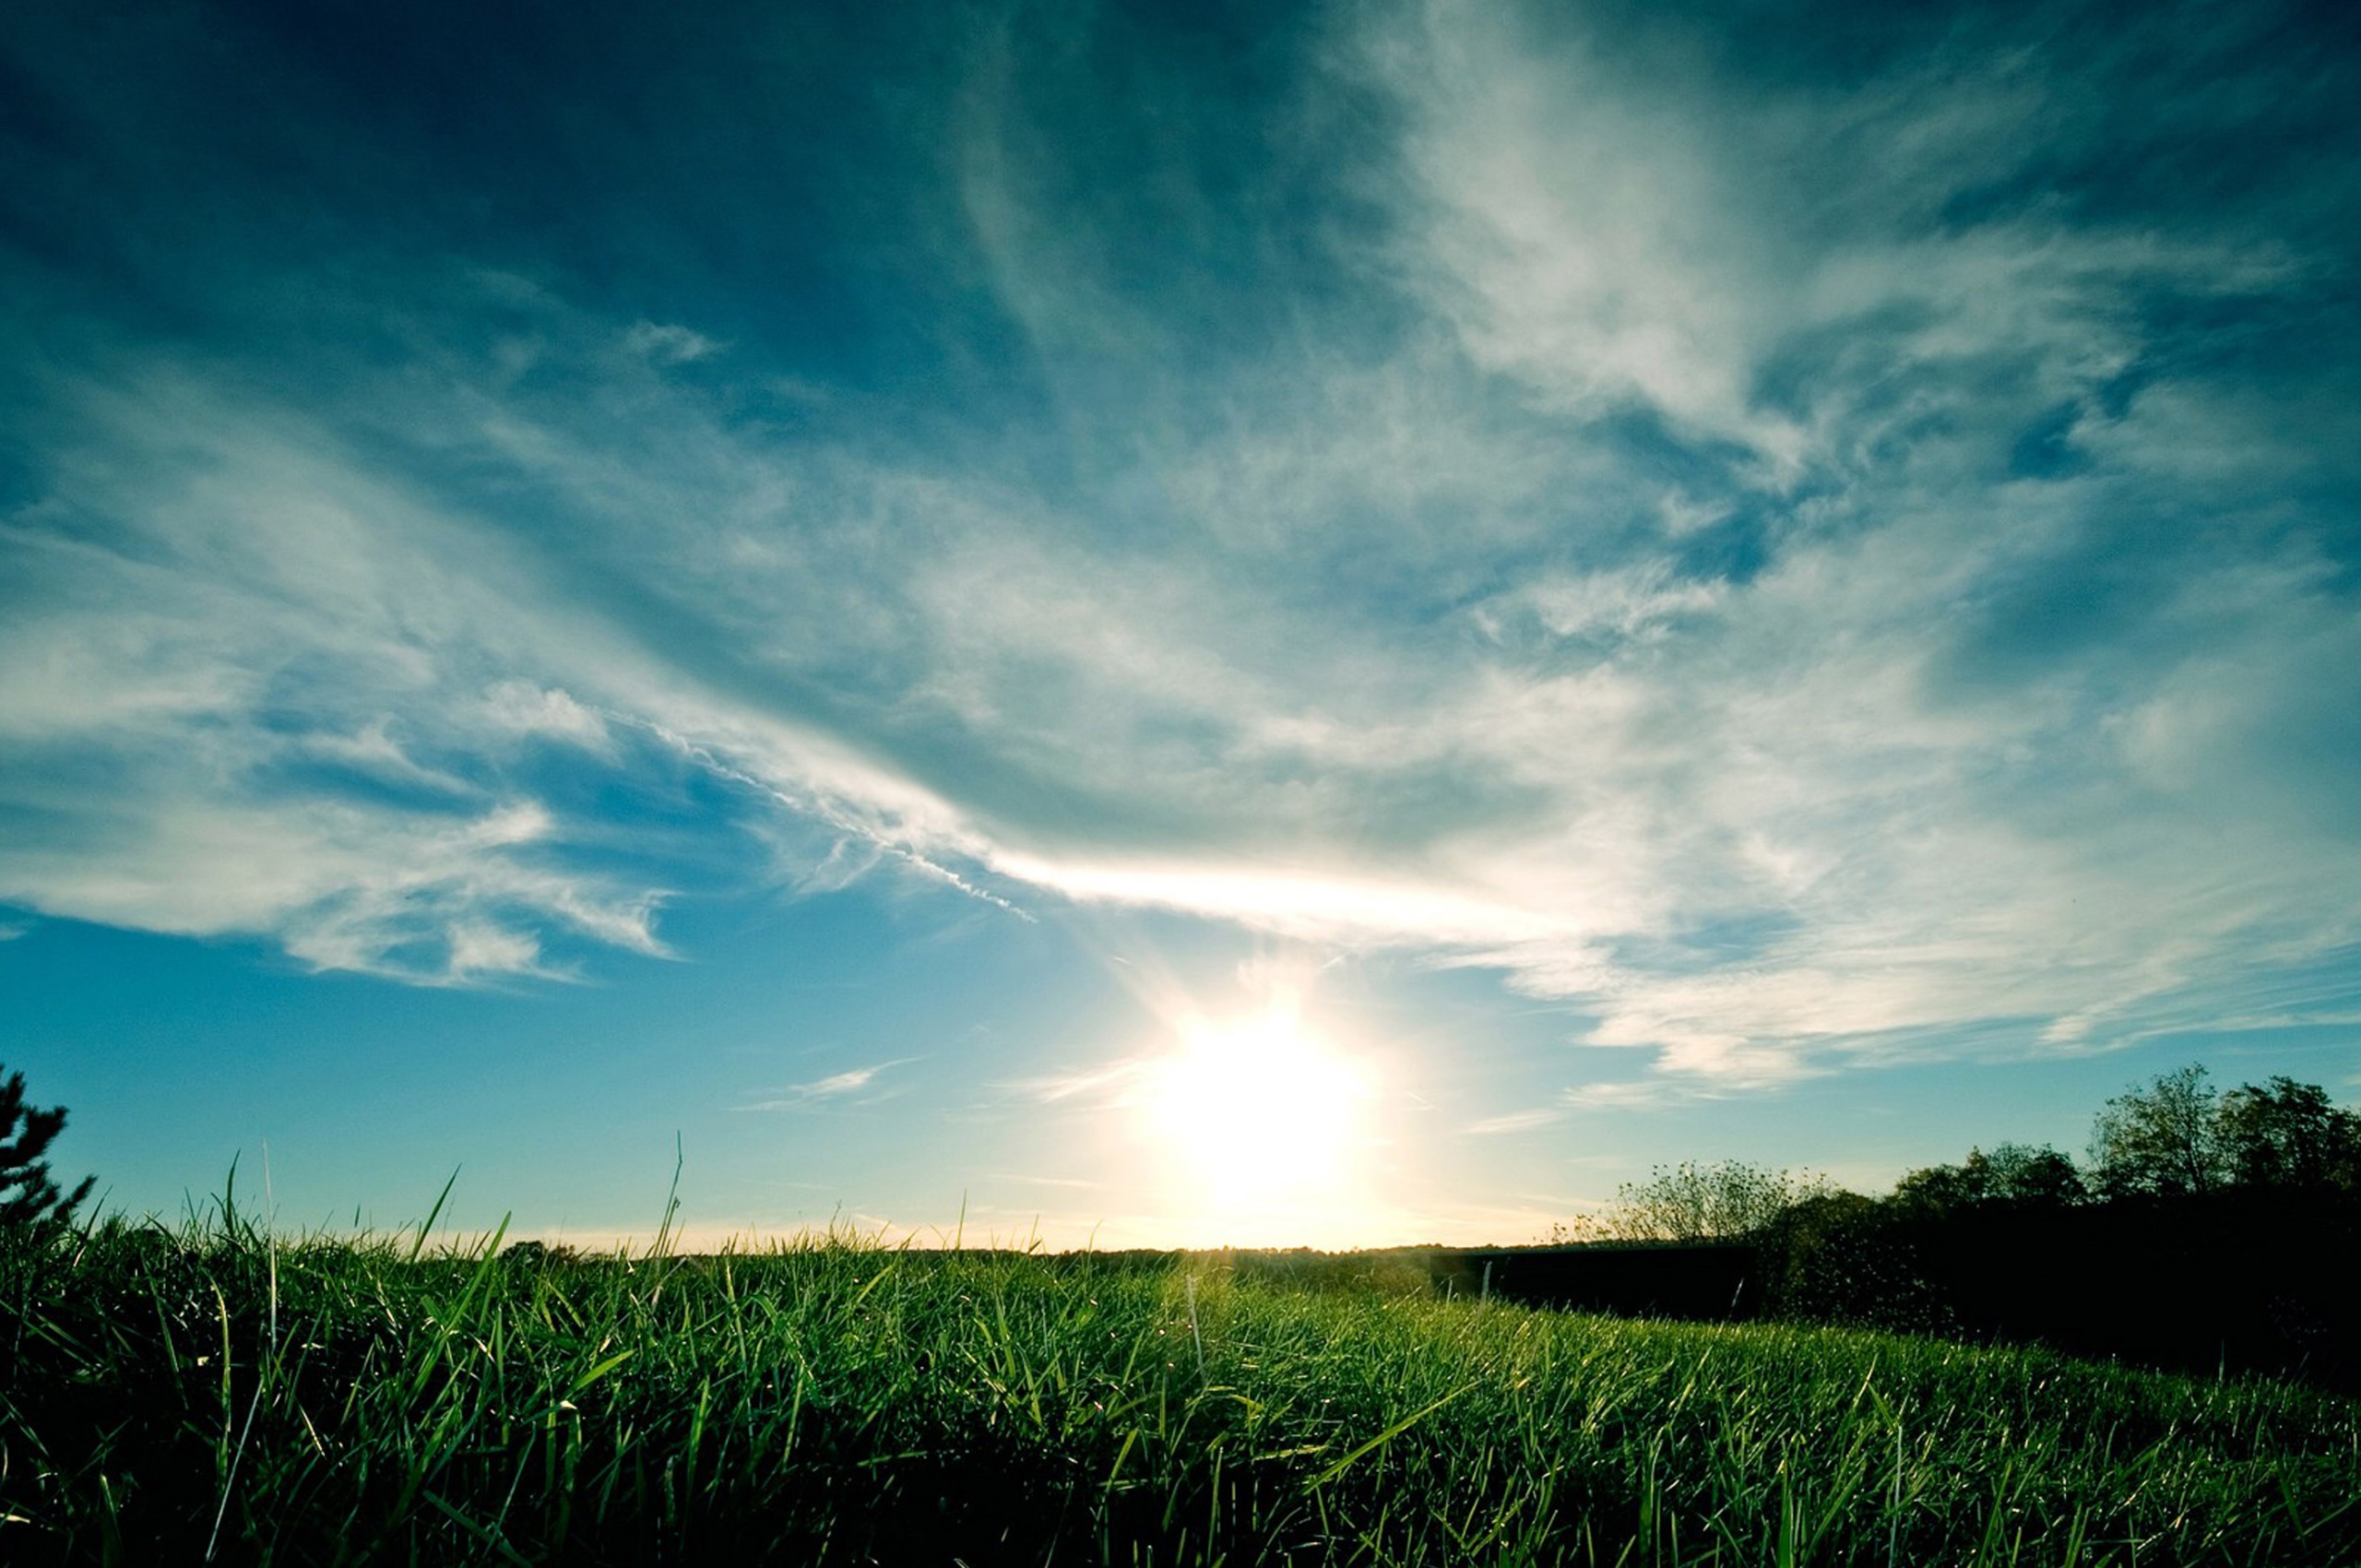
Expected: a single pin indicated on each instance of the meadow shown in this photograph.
(213, 1391)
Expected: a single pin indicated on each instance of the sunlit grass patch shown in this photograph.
(833, 1400)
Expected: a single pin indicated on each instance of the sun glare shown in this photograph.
(1259, 1112)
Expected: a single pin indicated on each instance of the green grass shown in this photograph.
(333, 1401)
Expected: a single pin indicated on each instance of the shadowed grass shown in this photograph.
(835, 1401)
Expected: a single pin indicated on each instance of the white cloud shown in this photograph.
(1789, 731)
(1639, 1094)
(1635, 227)
(1628, 602)
(668, 343)
(374, 751)
(1582, 235)
(836, 1086)
(341, 887)
(1777, 756)
(528, 709)
(256, 610)
(478, 948)
(1514, 1121)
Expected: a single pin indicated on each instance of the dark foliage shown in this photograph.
(2214, 1234)
(2289, 1137)
(2175, 1136)
(1693, 1280)
(2240, 1280)
(2161, 1141)
(1843, 1259)
(2013, 1174)
(30, 1202)
(535, 1255)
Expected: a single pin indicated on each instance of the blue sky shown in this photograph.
(1005, 605)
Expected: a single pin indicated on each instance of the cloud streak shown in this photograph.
(834, 1086)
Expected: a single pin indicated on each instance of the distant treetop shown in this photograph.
(2178, 1136)
(2012, 1174)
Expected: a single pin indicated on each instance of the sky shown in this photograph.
(1137, 624)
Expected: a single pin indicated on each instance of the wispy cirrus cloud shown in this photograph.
(834, 1086)
(1514, 1121)
(1787, 556)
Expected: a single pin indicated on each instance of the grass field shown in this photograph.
(338, 1402)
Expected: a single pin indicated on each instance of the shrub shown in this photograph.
(1696, 1203)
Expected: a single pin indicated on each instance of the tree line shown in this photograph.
(2173, 1137)
(2204, 1231)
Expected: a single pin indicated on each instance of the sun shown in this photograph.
(1259, 1112)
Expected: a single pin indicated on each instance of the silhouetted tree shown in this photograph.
(2288, 1135)
(2162, 1141)
(537, 1255)
(2034, 1174)
(30, 1200)
(1693, 1202)
(2013, 1173)
(1939, 1189)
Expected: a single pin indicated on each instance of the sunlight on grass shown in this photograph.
(834, 1401)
